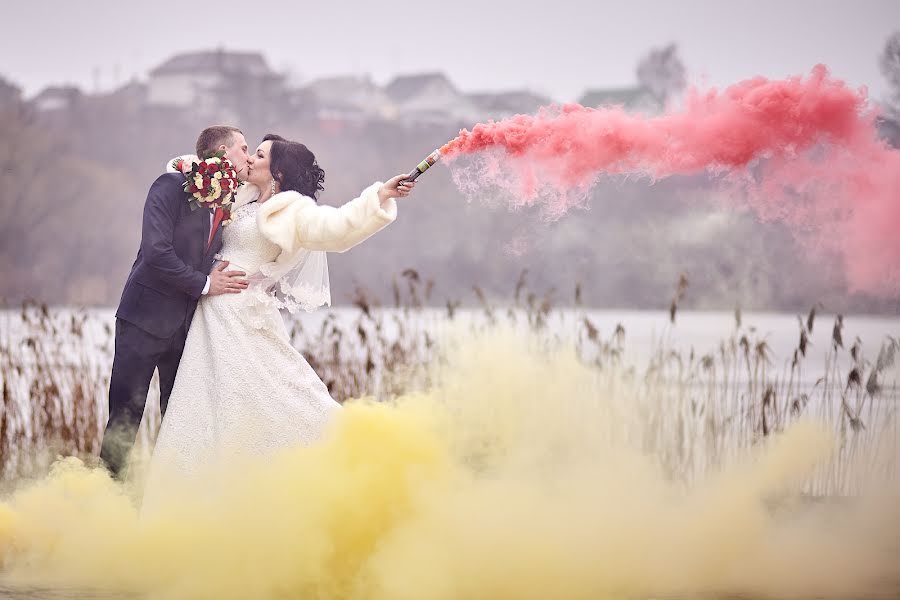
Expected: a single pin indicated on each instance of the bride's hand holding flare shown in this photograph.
(396, 187)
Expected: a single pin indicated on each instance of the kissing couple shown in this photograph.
(231, 384)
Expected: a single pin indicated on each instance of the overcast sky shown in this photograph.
(558, 48)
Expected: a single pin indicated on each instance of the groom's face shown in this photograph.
(238, 154)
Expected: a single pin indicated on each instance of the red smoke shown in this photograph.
(808, 148)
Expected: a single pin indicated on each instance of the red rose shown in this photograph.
(206, 184)
(213, 168)
(203, 168)
(193, 189)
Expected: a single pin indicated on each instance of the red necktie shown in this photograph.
(220, 213)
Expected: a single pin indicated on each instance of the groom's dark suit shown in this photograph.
(158, 302)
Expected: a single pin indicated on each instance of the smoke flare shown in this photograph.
(519, 477)
(804, 151)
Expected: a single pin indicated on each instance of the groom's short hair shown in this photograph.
(213, 137)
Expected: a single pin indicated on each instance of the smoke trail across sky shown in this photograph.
(803, 150)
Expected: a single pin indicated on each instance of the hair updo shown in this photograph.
(294, 167)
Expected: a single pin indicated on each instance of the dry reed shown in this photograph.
(699, 411)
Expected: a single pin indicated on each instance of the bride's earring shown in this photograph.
(273, 185)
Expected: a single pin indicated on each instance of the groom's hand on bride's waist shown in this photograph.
(226, 282)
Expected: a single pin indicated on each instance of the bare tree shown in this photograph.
(662, 72)
(54, 198)
(890, 67)
(10, 95)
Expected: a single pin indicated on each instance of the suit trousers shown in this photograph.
(137, 354)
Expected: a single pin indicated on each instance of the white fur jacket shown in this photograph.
(294, 221)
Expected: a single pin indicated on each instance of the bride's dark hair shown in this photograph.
(294, 166)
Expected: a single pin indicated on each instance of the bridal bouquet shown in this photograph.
(211, 182)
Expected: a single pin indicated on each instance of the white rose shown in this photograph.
(218, 174)
(198, 180)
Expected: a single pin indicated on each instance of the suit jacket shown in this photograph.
(169, 273)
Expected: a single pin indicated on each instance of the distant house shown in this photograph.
(198, 79)
(131, 96)
(300, 102)
(431, 98)
(350, 98)
(57, 98)
(502, 105)
(632, 99)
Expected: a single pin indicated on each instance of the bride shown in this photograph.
(242, 390)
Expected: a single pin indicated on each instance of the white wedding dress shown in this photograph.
(242, 391)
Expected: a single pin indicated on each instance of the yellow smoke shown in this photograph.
(520, 476)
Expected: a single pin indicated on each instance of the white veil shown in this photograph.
(295, 282)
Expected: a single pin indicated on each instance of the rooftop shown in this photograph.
(407, 86)
(250, 63)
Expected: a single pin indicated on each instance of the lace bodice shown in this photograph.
(244, 246)
(247, 249)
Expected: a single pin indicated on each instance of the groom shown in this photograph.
(166, 281)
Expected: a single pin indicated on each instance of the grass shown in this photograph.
(699, 411)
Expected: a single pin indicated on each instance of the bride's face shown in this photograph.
(260, 175)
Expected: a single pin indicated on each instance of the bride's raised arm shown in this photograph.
(294, 221)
